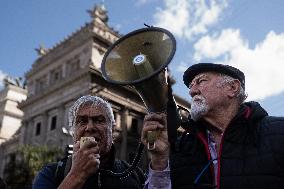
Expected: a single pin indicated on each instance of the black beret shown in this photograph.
(196, 69)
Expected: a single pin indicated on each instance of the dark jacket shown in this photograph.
(52, 175)
(251, 153)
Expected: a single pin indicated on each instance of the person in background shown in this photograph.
(229, 143)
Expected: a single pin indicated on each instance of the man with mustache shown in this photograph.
(228, 144)
(92, 117)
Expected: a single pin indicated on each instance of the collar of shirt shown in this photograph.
(213, 153)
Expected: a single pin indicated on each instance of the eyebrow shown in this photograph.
(199, 77)
(95, 116)
(84, 115)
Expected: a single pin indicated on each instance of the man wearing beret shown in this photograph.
(228, 144)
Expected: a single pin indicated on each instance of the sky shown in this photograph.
(246, 34)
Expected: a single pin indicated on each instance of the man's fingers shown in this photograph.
(94, 156)
(89, 147)
(97, 156)
(154, 122)
(89, 144)
(152, 125)
(159, 117)
(93, 150)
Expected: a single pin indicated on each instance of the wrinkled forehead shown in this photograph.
(91, 109)
(205, 75)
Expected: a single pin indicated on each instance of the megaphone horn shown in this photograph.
(140, 59)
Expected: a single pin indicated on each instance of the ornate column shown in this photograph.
(60, 117)
(124, 126)
(29, 131)
(23, 131)
(44, 127)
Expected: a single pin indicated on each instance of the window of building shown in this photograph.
(73, 65)
(134, 126)
(40, 84)
(53, 122)
(38, 129)
(55, 75)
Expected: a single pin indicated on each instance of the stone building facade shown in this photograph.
(10, 115)
(10, 118)
(64, 73)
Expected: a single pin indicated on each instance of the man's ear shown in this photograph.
(235, 87)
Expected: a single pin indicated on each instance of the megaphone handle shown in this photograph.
(151, 139)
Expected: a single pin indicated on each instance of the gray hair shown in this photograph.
(242, 95)
(92, 100)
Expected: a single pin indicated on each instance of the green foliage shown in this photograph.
(16, 174)
(37, 156)
(30, 160)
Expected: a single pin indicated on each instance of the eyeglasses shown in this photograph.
(196, 181)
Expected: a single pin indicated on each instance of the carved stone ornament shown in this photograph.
(41, 50)
(99, 13)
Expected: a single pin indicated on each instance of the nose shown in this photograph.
(90, 126)
(193, 90)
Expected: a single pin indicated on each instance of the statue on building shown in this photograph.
(99, 14)
(41, 50)
(17, 81)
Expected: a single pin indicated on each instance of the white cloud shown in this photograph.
(213, 47)
(263, 65)
(143, 2)
(2, 76)
(189, 18)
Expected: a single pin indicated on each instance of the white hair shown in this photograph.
(93, 101)
(242, 95)
(199, 107)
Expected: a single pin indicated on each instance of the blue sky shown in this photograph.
(242, 33)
